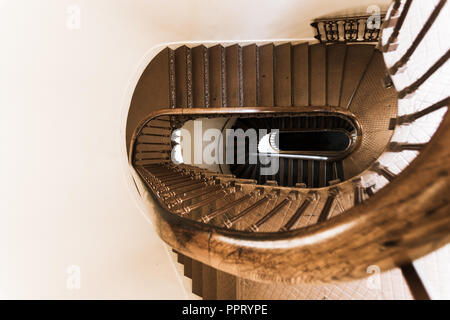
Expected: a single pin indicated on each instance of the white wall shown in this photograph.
(66, 198)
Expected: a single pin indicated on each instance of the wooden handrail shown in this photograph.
(405, 220)
(230, 111)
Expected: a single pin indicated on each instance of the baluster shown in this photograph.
(198, 193)
(383, 171)
(358, 192)
(415, 284)
(174, 191)
(167, 174)
(409, 118)
(255, 227)
(175, 181)
(318, 35)
(176, 186)
(299, 212)
(399, 147)
(183, 210)
(341, 30)
(369, 190)
(231, 205)
(332, 194)
(229, 222)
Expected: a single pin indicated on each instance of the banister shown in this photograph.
(230, 111)
(405, 220)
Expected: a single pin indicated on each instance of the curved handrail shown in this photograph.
(405, 220)
(239, 111)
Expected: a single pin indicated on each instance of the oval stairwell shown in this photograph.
(328, 213)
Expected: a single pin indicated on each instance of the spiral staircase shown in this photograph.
(315, 227)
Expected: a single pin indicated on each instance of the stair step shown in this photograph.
(300, 74)
(322, 174)
(183, 76)
(209, 290)
(266, 77)
(282, 172)
(356, 62)
(197, 278)
(153, 96)
(311, 171)
(318, 74)
(290, 172)
(335, 70)
(187, 267)
(369, 101)
(282, 74)
(249, 75)
(233, 81)
(226, 286)
(199, 76)
(217, 76)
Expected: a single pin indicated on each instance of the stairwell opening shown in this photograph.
(313, 141)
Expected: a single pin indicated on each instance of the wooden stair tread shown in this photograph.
(209, 282)
(300, 74)
(232, 75)
(199, 73)
(151, 93)
(181, 76)
(226, 286)
(187, 267)
(282, 74)
(266, 77)
(197, 278)
(370, 99)
(335, 70)
(318, 74)
(356, 62)
(216, 76)
(249, 71)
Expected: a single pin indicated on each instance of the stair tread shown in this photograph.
(199, 69)
(180, 258)
(151, 93)
(266, 78)
(232, 75)
(300, 74)
(370, 100)
(216, 77)
(181, 76)
(209, 281)
(187, 267)
(356, 61)
(282, 74)
(226, 286)
(335, 70)
(197, 278)
(249, 75)
(318, 75)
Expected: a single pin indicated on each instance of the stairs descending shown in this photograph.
(311, 173)
(347, 77)
(207, 282)
(319, 76)
(268, 75)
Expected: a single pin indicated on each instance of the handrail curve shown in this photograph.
(405, 220)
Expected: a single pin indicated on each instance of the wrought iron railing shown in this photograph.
(348, 29)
